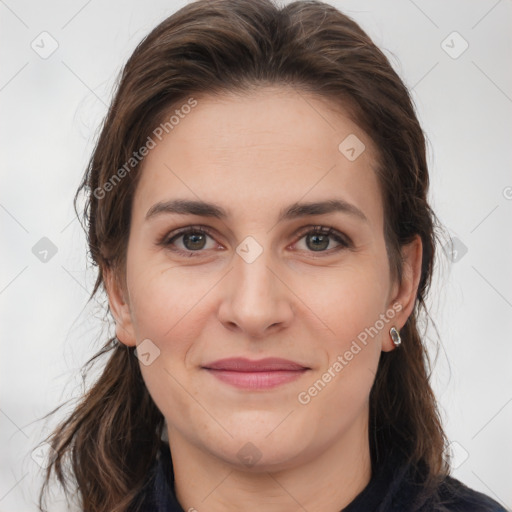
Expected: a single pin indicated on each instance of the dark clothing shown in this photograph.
(393, 488)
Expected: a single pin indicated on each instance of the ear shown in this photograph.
(120, 308)
(403, 295)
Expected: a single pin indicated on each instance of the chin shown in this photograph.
(258, 451)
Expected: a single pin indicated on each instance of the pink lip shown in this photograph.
(262, 374)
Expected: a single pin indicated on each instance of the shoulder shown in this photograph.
(454, 496)
(409, 492)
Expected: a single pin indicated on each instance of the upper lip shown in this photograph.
(241, 364)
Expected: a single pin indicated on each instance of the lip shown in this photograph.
(256, 374)
(242, 364)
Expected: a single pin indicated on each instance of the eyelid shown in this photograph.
(325, 230)
(343, 240)
(166, 239)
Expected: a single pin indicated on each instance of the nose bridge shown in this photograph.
(256, 300)
(254, 281)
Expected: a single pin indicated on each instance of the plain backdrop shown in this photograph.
(453, 55)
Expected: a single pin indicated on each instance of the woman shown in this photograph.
(257, 209)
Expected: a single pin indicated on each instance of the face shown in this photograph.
(259, 282)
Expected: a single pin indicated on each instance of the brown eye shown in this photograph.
(320, 238)
(193, 240)
(317, 242)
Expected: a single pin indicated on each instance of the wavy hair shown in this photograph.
(106, 446)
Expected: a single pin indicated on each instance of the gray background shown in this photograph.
(51, 109)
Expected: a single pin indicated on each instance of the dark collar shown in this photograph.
(394, 487)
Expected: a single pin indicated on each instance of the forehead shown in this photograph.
(257, 151)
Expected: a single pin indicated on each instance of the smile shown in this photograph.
(263, 374)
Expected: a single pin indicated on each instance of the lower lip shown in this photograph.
(257, 380)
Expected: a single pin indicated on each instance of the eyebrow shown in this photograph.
(295, 210)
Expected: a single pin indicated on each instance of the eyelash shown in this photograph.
(344, 241)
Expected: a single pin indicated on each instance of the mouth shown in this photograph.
(261, 374)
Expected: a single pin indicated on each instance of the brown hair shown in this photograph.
(111, 439)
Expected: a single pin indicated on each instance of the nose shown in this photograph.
(256, 300)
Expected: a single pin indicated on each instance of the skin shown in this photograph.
(254, 155)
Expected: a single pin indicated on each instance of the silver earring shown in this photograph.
(395, 336)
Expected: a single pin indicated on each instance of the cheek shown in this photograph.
(350, 304)
(348, 299)
(167, 309)
(164, 298)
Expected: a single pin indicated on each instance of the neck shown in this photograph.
(328, 482)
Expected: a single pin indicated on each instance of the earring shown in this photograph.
(395, 336)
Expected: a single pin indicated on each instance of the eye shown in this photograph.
(319, 238)
(193, 240)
